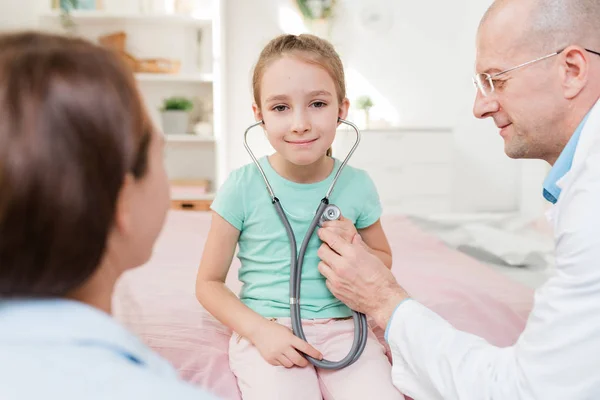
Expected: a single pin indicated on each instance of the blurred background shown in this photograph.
(408, 68)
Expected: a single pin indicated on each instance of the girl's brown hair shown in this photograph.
(72, 126)
(309, 48)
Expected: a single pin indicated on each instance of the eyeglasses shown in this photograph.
(485, 82)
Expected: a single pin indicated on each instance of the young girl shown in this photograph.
(299, 94)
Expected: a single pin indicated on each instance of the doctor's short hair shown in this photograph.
(72, 127)
(308, 48)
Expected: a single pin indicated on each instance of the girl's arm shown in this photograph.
(375, 238)
(211, 291)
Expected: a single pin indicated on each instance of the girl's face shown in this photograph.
(300, 109)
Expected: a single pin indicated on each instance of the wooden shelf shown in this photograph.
(195, 78)
(191, 202)
(207, 196)
(191, 205)
(91, 16)
(187, 190)
(189, 137)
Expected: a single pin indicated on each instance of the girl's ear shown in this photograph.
(257, 113)
(343, 111)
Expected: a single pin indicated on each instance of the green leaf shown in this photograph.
(364, 103)
(178, 103)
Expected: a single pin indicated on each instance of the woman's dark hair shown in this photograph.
(72, 126)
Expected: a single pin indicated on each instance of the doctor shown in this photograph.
(539, 80)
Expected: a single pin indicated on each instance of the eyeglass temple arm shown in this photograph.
(593, 52)
(526, 63)
(536, 60)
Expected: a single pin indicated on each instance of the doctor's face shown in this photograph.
(527, 103)
(300, 109)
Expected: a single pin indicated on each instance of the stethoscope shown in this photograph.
(325, 212)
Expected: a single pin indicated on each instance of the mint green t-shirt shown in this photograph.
(263, 247)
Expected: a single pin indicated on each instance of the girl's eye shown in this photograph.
(279, 108)
(318, 104)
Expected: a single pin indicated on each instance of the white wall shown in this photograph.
(486, 180)
(422, 65)
(20, 14)
(249, 26)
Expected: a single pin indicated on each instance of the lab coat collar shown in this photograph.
(589, 134)
(562, 165)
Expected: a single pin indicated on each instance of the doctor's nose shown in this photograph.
(485, 106)
(301, 123)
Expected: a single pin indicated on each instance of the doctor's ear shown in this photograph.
(574, 71)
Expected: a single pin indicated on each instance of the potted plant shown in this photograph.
(65, 7)
(317, 15)
(365, 103)
(316, 9)
(175, 114)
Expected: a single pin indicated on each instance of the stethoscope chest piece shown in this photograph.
(331, 213)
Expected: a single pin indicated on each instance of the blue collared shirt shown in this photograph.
(61, 349)
(562, 165)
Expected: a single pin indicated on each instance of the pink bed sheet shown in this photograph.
(157, 301)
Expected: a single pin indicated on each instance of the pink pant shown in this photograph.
(367, 378)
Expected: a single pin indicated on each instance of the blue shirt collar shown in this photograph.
(562, 165)
(66, 322)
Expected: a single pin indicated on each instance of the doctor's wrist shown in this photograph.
(386, 308)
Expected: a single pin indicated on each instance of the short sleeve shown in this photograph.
(371, 205)
(229, 201)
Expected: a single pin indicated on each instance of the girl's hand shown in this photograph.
(280, 347)
(343, 227)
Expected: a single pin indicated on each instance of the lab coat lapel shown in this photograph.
(589, 135)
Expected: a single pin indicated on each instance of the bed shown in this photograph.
(157, 301)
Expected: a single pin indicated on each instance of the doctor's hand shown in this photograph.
(342, 227)
(279, 346)
(357, 277)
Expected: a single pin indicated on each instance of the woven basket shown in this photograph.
(130, 60)
(158, 65)
(115, 41)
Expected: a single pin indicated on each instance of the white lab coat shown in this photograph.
(558, 353)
